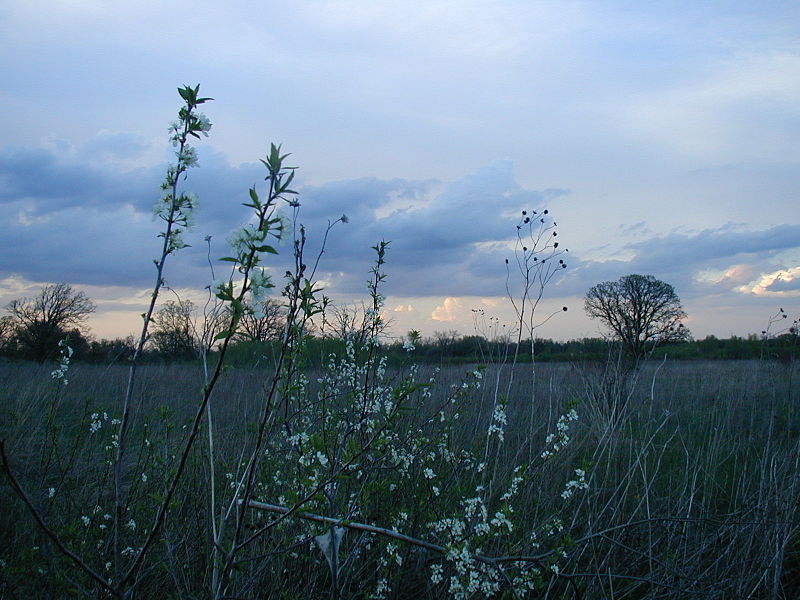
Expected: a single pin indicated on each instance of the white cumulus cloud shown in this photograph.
(447, 311)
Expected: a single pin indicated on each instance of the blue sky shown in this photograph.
(664, 138)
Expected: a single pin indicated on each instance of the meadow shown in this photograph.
(338, 473)
(692, 492)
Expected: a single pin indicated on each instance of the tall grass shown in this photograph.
(695, 494)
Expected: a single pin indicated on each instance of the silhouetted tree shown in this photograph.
(39, 323)
(6, 334)
(264, 321)
(639, 310)
(173, 330)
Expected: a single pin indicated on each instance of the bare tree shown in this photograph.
(353, 321)
(173, 330)
(39, 323)
(6, 333)
(639, 310)
(444, 340)
(264, 320)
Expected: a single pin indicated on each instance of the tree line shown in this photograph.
(33, 328)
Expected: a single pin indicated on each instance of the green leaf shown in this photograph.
(229, 259)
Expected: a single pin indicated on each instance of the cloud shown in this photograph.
(693, 262)
(783, 283)
(116, 149)
(637, 228)
(726, 279)
(70, 219)
(445, 238)
(447, 311)
(47, 181)
(788, 287)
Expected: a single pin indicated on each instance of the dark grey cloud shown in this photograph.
(78, 245)
(784, 285)
(68, 219)
(441, 235)
(679, 256)
(48, 182)
(71, 220)
(685, 249)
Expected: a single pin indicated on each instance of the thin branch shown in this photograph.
(349, 524)
(46, 529)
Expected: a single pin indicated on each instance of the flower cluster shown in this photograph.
(97, 422)
(560, 438)
(499, 421)
(579, 483)
(63, 366)
(244, 241)
(260, 283)
(174, 208)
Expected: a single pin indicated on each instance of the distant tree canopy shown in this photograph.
(37, 324)
(639, 310)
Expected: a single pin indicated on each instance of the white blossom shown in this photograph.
(202, 123)
(187, 157)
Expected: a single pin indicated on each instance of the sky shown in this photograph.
(663, 138)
